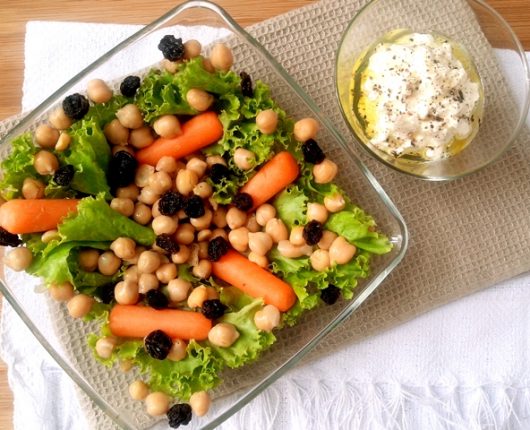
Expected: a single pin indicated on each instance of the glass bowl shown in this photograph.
(65, 339)
(495, 50)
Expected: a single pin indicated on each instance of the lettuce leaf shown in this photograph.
(18, 166)
(345, 276)
(291, 206)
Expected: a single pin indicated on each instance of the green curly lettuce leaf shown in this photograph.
(345, 276)
(18, 166)
(291, 206)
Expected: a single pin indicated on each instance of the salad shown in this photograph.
(188, 215)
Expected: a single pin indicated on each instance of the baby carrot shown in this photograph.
(22, 216)
(252, 279)
(200, 131)
(139, 321)
(273, 177)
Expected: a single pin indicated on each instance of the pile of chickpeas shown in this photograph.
(252, 234)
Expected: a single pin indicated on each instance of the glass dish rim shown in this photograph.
(364, 293)
(515, 133)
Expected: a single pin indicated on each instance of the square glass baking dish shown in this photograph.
(65, 339)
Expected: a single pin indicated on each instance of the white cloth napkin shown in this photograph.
(463, 366)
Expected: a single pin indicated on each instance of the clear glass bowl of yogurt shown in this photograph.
(437, 90)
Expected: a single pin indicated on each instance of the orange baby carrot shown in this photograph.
(22, 216)
(273, 177)
(200, 131)
(252, 279)
(139, 321)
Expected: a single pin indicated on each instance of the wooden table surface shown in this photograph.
(15, 13)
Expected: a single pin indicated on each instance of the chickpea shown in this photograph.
(142, 213)
(88, 259)
(200, 403)
(223, 335)
(126, 293)
(203, 190)
(305, 129)
(45, 163)
(124, 248)
(325, 172)
(235, 218)
(185, 234)
(267, 121)
(197, 165)
(203, 269)
(157, 403)
(116, 133)
(215, 159)
(320, 260)
(203, 250)
(219, 217)
(167, 164)
(108, 263)
(244, 159)
(238, 238)
(79, 305)
(199, 100)
(341, 251)
(33, 189)
(287, 249)
(18, 259)
(123, 206)
(207, 64)
(138, 390)
(186, 181)
(148, 196)
(277, 230)
(181, 256)
(130, 116)
(197, 297)
(267, 318)
(204, 235)
(155, 209)
(178, 351)
(178, 290)
(167, 126)
(219, 232)
(59, 119)
(143, 174)
(61, 292)
(170, 66)
(317, 212)
(105, 347)
(125, 365)
(192, 49)
(265, 213)
(334, 203)
(327, 239)
(166, 272)
(129, 192)
(164, 225)
(202, 222)
(46, 136)
(221, 57)
(297, 236)
(147, 282)
(260, 243)
(141, 137)
(260, 260)
(131, 274)
(63, 142)
(98, 91)
(148, 262)
(252, 224)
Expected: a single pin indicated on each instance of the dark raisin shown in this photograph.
(171, 202)
(157, 344)
(313, 232)
(8, 239)
(213, 309)
(194, 207)
(172, 48)
(243, 201)
(246, 84)
(179, 414)
(130, 85)
(217, 248)
(312, 152)
(64, 175)
(156, 299)
(75, 106)
(167, 243)
(218, 172)
(122, 169)
(330, 294)
(106, 293)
